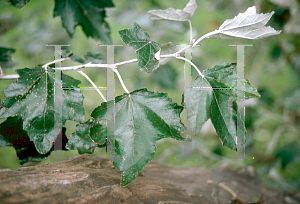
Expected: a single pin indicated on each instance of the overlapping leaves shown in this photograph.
(215, 97)
(141, 119)
(90, 14)
(145, 49)
(12, 134)
(32, 98)
(87, 137)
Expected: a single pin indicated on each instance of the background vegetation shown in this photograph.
(272, 65)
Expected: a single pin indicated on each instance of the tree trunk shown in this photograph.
(86, 179)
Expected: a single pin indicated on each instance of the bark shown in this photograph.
(86, 179)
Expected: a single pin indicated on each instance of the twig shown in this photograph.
(59, 60)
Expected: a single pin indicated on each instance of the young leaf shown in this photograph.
(145, 49)
(166, 48)
(19, 3)
(5, 57)
(84, 139)
(32, 98)
(141, 119)
(89, 14)
(248, 25)
(174, 15)
(12, 134)
(214, 97)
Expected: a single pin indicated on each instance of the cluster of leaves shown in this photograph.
(141, 117)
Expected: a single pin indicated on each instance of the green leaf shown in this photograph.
(215, 97)
(90, 14)
(198, 103)
(224, 76)
(94, 57)
(5, 57)
(145, 49)
(32, 98)
(224, 116)
(19, 3)
(141, 119)
(86, 139)
(12, 134)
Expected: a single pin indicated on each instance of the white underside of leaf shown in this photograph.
(174, 15)
(248, 25)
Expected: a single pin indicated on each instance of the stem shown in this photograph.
(59, 60)
(96, 65)
(84, 66)
(196, 68)
(121, 80)
(191, 31)
(204, 36)
(126, 62)
(194, 44)
(94, 85)
(10, 76)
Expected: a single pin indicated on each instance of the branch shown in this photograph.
(59, 60)
(94, 85)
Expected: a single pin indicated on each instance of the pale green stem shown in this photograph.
(121, 80)
(59, 60)
(196, 68)
(191, 31)
(94, 85)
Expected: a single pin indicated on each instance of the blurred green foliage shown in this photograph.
(272, 65)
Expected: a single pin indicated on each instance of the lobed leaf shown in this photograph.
(32, 98)
(248, 25)
(90, 14)
(145, 49)
(141, 119)
(174, 15)
(214, 96)
(84, 139)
